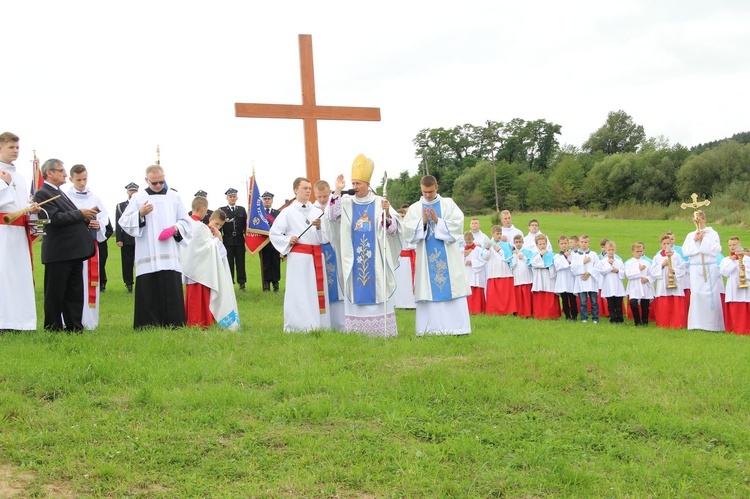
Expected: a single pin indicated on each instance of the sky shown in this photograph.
(104, 83)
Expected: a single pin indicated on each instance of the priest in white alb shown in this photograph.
(158, 220)
(435, 224)
(366, 234)
(82, 197)
(296, 233)
(17, 305)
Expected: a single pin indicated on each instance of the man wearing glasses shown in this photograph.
(66, 244)
(158, 220)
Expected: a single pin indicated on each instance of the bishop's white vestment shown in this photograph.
(368, 281)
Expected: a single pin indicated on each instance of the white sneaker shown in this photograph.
(596, 322)
(584, 320)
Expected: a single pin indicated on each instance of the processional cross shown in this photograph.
(697, 204)
(309, 112)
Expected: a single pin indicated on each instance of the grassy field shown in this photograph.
(520, 408)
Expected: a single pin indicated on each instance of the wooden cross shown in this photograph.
(309, 111)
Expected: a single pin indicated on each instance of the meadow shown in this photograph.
(519, 408)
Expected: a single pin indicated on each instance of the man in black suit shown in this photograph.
(125, 241)
(270, 259)
(66, 244)
(234, 237)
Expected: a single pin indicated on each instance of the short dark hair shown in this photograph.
(428, 181)
(77, 169)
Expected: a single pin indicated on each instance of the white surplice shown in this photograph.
(301, 304)
(89, 200)
(404, 294)
(705, 310)
(204, 261)
(152, 255)
(449, 317)
(17, 303)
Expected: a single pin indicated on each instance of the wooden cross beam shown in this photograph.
(309, 112)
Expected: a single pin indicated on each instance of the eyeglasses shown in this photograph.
(158, 182)
(56, 170)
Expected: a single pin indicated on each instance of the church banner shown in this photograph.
(257, 222)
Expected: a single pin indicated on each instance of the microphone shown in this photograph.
(351, 192)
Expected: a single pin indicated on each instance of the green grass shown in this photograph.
(519, 408)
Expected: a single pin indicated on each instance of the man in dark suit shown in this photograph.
(234, 237)
(66, 244)
(270, 259)
(125, 241)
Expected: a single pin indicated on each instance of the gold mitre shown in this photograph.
(362, 168)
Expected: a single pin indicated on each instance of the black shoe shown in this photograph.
(242, 287)
(129, 287)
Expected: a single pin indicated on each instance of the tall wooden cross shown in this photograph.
(309, 112)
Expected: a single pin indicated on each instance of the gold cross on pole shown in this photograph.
(697, 204)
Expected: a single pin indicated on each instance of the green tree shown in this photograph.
(619, 134)
(566, 182)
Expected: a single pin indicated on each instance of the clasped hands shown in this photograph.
(429, 214)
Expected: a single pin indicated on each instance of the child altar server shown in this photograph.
(611, 274)
(734, 268)
(522, 277)
(668, 270)
(640, 288)
(546, 304)
(475, 273)
(501, 298)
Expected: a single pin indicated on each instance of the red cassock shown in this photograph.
(546, 305)
(501, 298)
(671, 311)
(737, 317)
(523, 300)
(476, 300)
(197, 312)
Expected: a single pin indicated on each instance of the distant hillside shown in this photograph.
(742, 138)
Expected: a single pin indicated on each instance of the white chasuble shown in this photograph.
(440, 282)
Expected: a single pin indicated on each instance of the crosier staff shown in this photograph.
(385, 253)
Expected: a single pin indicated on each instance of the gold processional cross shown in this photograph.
(309, 112)
(697, 204)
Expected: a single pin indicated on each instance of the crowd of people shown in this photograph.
(680, 287)
(351, 260)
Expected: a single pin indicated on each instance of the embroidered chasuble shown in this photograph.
(440, 282)
(367, 280)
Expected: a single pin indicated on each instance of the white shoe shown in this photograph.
(584, 320)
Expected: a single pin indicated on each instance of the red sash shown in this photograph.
(317, 253)
(21, 222)
(93, 276)
(412, 256)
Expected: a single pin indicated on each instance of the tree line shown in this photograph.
(520, 165)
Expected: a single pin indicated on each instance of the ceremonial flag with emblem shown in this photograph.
(257, 224)
(36, 175)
